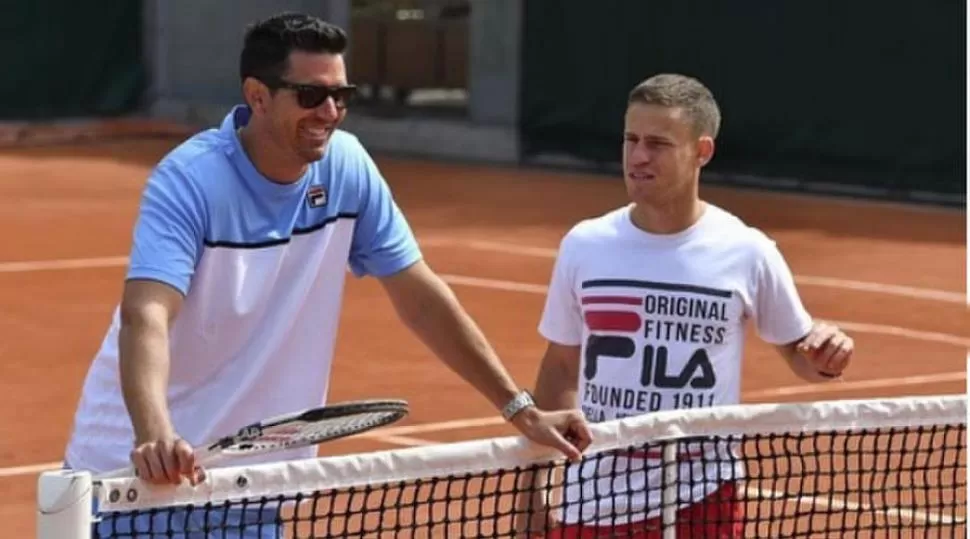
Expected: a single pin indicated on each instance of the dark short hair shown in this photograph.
(267, 44)
(681, 91)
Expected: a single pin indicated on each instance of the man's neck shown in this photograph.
(263, 153)
(669, 218)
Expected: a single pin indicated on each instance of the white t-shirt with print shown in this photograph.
(660, 322)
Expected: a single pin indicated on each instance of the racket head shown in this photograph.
(309, 427)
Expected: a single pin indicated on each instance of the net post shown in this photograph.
(64, 505)
(670, 494)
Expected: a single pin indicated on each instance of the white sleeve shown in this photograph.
(562, 317)
(779, 315)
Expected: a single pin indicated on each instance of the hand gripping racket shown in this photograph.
(295, 430)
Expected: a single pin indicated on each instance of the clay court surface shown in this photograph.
(894, 276)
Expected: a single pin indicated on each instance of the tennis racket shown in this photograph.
(295, 430)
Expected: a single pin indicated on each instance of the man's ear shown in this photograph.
(256, 94)
(705, 150)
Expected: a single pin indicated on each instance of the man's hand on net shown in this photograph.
(565, 430)
(166, 460)
(827, 348)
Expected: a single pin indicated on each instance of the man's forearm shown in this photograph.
(445, 328)
(555, 388)
(144, 368)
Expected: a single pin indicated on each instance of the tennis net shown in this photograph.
(854, 468)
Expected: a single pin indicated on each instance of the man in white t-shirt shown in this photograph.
(231, 300)
(646, 311)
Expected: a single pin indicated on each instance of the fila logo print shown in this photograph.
(316, 196)
(663, 332)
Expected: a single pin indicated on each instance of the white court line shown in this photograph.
(838, 504)
(836, 387)
(441, 426)
(514, 286)
(894, 331)
(493, 284)
(63, 264)
(395, 440)
(879, 288)
(30, 469)
(931, 294)
(880, 329)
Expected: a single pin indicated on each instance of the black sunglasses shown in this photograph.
(311, 96)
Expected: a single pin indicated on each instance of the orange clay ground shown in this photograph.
(892, 275)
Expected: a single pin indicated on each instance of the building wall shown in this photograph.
(192, 50)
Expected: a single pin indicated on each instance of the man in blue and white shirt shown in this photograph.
(232, 297)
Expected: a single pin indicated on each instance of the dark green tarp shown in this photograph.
(860, 93)
(63, 58)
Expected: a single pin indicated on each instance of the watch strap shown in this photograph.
(521, 401)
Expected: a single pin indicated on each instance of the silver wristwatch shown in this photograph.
(518, 403)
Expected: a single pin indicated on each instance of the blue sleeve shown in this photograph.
(170, 230)
(383, 243)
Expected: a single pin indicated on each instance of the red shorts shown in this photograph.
(719, 516)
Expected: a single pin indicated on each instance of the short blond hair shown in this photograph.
(681, 91)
